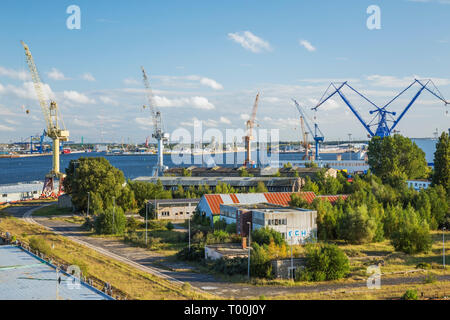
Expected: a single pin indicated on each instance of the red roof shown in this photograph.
(334, 198)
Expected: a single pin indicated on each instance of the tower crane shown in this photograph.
(158, 133)
(316, 134)
(382, 114)
(249, 137)
(53, 130)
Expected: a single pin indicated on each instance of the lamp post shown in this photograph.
(88, 204)
(443, 246)
(189, 226)
(249, 243)
(146, 222)
(114, 214)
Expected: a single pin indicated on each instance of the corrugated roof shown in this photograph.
(279, 198)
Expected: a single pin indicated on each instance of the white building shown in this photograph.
(418, 184)
(20, 192)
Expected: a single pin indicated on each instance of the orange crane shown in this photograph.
(249, 137)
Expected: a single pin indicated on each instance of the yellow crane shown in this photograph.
(53, 130)
(249, 137)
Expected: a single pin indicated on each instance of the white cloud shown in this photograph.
(88, 77)
(245, 116)
(130, 82)
(6, 128)
(250, 42)
(395, 82)
(27, 91)
(194, 102)
(172, 80)
(307, 45)
(14, 74)
(225, 120)
(55, 74)
(211, 83)
(108, 100)
(83, 123)
(77, 97)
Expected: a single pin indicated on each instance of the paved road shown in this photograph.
(154, 263)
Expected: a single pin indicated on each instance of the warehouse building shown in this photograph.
(209, 205)
(173, 209)
(20, 192)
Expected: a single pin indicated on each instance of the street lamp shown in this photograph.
(87, 214)
(189, 224)
(443, 246)
(114, 214)
(249, 243)
(146, 222)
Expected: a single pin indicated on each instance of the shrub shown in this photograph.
(265, 235)
(132, 224)
(231, 228)
(220, 225)
(40, 245)
(260, 265)
(410, 295)
(196, 253)
(423, 265)
(357, 227)
(412, 236)
(111, 221)
(231, 266)
(430, 278)
(170, 226)
(324, 262)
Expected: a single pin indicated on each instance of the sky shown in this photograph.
(207, 60)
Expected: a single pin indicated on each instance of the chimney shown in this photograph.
(244, 242)
(339, 157)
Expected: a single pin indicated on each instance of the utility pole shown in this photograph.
(292, 260)
(88, 204)
(146, 222)
(443, 246)
(114, 214)
(189, 224)
(249, 243)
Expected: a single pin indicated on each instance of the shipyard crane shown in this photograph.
(382, 114)
(317, 134)
(157, 127)
(53, 130)
(249, 137)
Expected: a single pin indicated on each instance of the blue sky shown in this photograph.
(208, 59)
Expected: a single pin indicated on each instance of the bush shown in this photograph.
(132, 224)
(430, 278)
(324, 262)
(265, 235)
(423, 265)
(40, 245)
(357, 227)
(111, 221)
(220, 225)
(412, 236)
(260, 264)
(231, 228)
(196, 253)
(410, 295)
(231, 266)
(170, 226)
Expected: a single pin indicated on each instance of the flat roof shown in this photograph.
(21, 187)
(25, 277)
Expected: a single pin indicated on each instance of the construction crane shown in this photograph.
(249, 137)
(317, 134)
(382, 114)
(53, 130)
(157, 127)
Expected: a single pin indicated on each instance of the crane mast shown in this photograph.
(249, 137)
(316, 134)
(53, 130)
(157, 127)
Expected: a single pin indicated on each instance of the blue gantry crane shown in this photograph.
(382, 115)
(316, 134)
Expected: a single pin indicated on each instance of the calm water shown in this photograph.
(133, 166)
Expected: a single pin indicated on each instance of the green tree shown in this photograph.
(324, 262)
(394, 158)
(111, 221)
(94, 175)
(441, 174)
(261, 187)
(263, 236)
(357, 227)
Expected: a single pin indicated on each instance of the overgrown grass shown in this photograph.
(52, 210)
(134, 283)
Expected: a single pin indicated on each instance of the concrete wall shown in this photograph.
(281, 268)
(211, 254)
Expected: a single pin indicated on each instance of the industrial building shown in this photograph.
(296, 225)
(418, 184)
(24, 276)
(210, 204)
(20, 192)
(173, 209)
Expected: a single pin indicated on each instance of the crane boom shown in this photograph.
(38, 86)
(150, 99)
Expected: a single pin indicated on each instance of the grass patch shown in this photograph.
(52, 210)
(135, 284)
